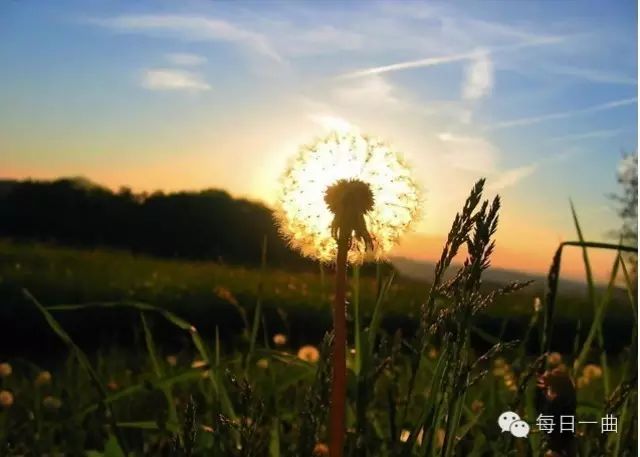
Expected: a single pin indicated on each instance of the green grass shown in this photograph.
(67, 275)
(201, 375)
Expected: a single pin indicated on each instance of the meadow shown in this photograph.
(109, 354)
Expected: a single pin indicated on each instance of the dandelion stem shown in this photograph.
(339, 375)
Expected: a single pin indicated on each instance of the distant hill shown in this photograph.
(424, 271)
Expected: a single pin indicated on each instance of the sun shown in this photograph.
(304, 216)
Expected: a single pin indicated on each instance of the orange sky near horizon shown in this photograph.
(541, 101)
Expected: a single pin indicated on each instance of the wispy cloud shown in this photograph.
(606, 133)
(511, 177)
(369, 91)
(478, 80)
(191, 28)
(173, 80)
(592, 75)
(186, 60)
(562, 115)
(474, 154)
(446, 59)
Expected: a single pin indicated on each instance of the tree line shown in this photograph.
(205, 225)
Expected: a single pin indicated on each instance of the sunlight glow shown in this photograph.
(303, 215)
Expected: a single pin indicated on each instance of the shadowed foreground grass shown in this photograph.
(213, 295)
(225, 361)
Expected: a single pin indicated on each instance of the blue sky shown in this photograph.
(539, 97)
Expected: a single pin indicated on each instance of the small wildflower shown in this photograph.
(320, 450)
(44, 377)
(279, 339)
(582, 382)
(172, 360)
(51, 402)
(592, 371)
(198, 364)
(509, 382)
(6, 398)
(5, 370)
(263, 363)
(309, 353)
(556, 383)
(554, 359)
(352, 351)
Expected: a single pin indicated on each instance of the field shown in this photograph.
(125, 367)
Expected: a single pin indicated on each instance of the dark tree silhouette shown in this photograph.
(209, 224)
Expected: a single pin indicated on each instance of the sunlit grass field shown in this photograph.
(107, 353)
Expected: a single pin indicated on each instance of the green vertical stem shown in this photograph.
(339, 362)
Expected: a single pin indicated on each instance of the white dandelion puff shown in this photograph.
(344, 159)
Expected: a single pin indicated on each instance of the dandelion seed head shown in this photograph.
(313, 186)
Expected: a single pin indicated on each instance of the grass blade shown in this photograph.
(83, 360)
(157, 369)
(182, 324)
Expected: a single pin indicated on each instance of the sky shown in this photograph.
(538, 97)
